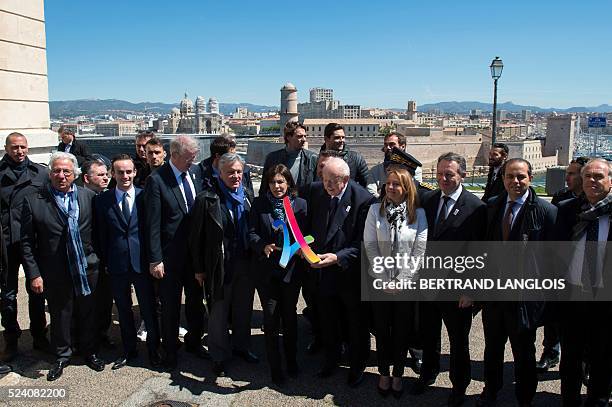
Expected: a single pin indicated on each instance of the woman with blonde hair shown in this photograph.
(396, 225)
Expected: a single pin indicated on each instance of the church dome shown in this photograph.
(186, 105)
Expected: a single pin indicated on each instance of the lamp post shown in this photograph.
(497, 67)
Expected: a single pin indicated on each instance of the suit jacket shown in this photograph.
(493, 187)
(12, 192)
(535, 221)
(118, 242)
(343, 237)
(209, 239)
(204, 172)
(43, 239)
(261, 233)
(308, 166)
(466, 222)
(166, 218)
(78, 149)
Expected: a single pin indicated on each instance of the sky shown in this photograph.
(376, 54)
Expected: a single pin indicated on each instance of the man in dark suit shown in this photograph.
(70, 144)
(219, 249)
(336, 218)
(140, 156)
(19, 177)
(295, 155)
(169, 194)
(514, 215)
(59, 259)
(497, 157)
(453, 214)
(208, 169)
(585, 326)
(119, 232)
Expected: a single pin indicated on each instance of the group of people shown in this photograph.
(171, 227)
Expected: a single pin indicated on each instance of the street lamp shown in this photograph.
(497, 66)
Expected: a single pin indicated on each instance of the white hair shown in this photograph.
(60, 155)
(338, 165)
(229, 158)
(183, 143)
(598, 160)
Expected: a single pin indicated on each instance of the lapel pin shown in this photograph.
(348, 208)
(455, 212)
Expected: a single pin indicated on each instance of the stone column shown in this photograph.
(24, 92)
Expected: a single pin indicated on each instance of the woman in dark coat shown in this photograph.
(278, 287)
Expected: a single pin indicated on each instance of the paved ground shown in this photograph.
(247, 384)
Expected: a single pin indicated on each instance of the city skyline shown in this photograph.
(245, 53)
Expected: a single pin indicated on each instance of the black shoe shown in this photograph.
(10, 351)
(292, 369)
(155, 360)
(56, 371)
(4, 369)
(41, 343)
(326, 371)
(314, 346)
(421, 385)
(456, 399)
(416, 365)
(397, 393)
(123, 360)
(246, 355)
(485, 400)
(383, 392)
(355, 377)
(199, 351)
(94, 363)
(219, 369)
(547, 361)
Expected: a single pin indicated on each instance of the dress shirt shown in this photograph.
(179, 181)
(518, 204)
(451, 202)
(131, 196)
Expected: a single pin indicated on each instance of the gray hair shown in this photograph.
(450, 156)
(60, 155)
(183, 143)
(339, 164)
(229, 158)
(598, 160)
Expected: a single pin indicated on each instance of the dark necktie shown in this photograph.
(125, 208)
(333, 205)
(442, 215)
(187, 189)
(507, 221)
(589, 271)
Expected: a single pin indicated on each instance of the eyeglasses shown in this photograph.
(58, 171)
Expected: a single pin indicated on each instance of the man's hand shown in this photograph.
(37, 285)
(465, 301)
(327, 259)
(269, 249)
(157, 270)
(200, 278)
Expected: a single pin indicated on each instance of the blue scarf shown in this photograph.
(77, 261)
(278, 210)
(235, 203)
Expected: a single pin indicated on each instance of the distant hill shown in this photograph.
(465, 107)
(67, 108)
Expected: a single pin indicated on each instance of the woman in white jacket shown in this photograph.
(395, 226)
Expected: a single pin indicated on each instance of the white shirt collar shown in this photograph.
(341, 194)
(455, 195)
(521, 200)
(176, 171)
(119, 193)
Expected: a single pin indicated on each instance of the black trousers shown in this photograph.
(331, 311)
(8, 301)
(586, 327)
(64, 306)
(121, 290)
(104, 305)
(279, 301)
(552, 340)
(393, 327)
(311, 312)
(195, 311)
(458, 322)
(500, 321)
